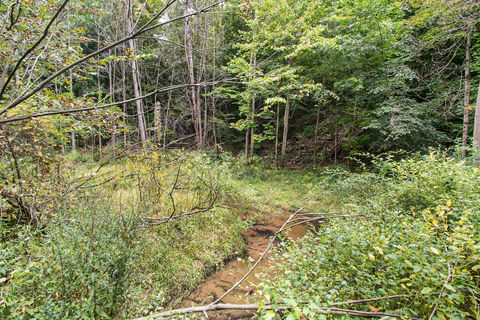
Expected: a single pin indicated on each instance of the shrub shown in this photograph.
(420, 237)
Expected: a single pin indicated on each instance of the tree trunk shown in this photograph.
(252, 133)
(100, 147)
(476, 130)
(124, 97)
(157, 113)
(70, 85)
(336, 140)
(252, 130)
(196, 112)
(205, 119)
(466, 100)
(165, 123)
(277, 129)
(136, 78)
(74, 142)
(111, 87)
(315, 142)
(204, 75)
(214, 100)
(285, 132)
(246, 144)
(3, 76)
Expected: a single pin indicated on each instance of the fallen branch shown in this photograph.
(256, 306)
(193, 211)
(100, 107)
(369, 300)
(304, 220)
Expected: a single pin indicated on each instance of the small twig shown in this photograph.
(193, 211)
(369, 300)
(304, 220)
(174, 187)
(205, 314)
(447, 280)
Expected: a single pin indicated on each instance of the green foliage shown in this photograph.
(101, 254)
(386, 73)
(81, 267)
(418, 237)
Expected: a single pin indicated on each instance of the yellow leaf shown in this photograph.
(261, 305)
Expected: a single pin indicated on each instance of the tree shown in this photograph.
(137, 87)
(476, 127)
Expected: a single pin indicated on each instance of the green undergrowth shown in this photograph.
(103, 251)
(418, 238)
(271, 191)
(104, 254)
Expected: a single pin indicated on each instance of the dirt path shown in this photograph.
(257, 238)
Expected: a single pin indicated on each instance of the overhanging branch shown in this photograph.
(108, 105)
(33, 47)
(142, 30)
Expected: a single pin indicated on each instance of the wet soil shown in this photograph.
(257, 238)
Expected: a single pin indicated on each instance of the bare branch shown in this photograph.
(272, 241)
(108, 105)
(256, 306)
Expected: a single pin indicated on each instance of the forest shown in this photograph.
(240, 159)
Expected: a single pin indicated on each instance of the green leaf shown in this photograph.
(291, 316)
(269, 315)
(426, 290)
(450, 287)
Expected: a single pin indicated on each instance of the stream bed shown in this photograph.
(257, 239)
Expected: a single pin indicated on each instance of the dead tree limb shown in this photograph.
(108, 105)
(399, 296)
(255, 306)
(174, 187)
(193, 212)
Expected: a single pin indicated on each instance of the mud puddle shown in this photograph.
(257, 238)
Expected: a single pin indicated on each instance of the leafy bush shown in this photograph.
(75, 267)
(419, 238)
